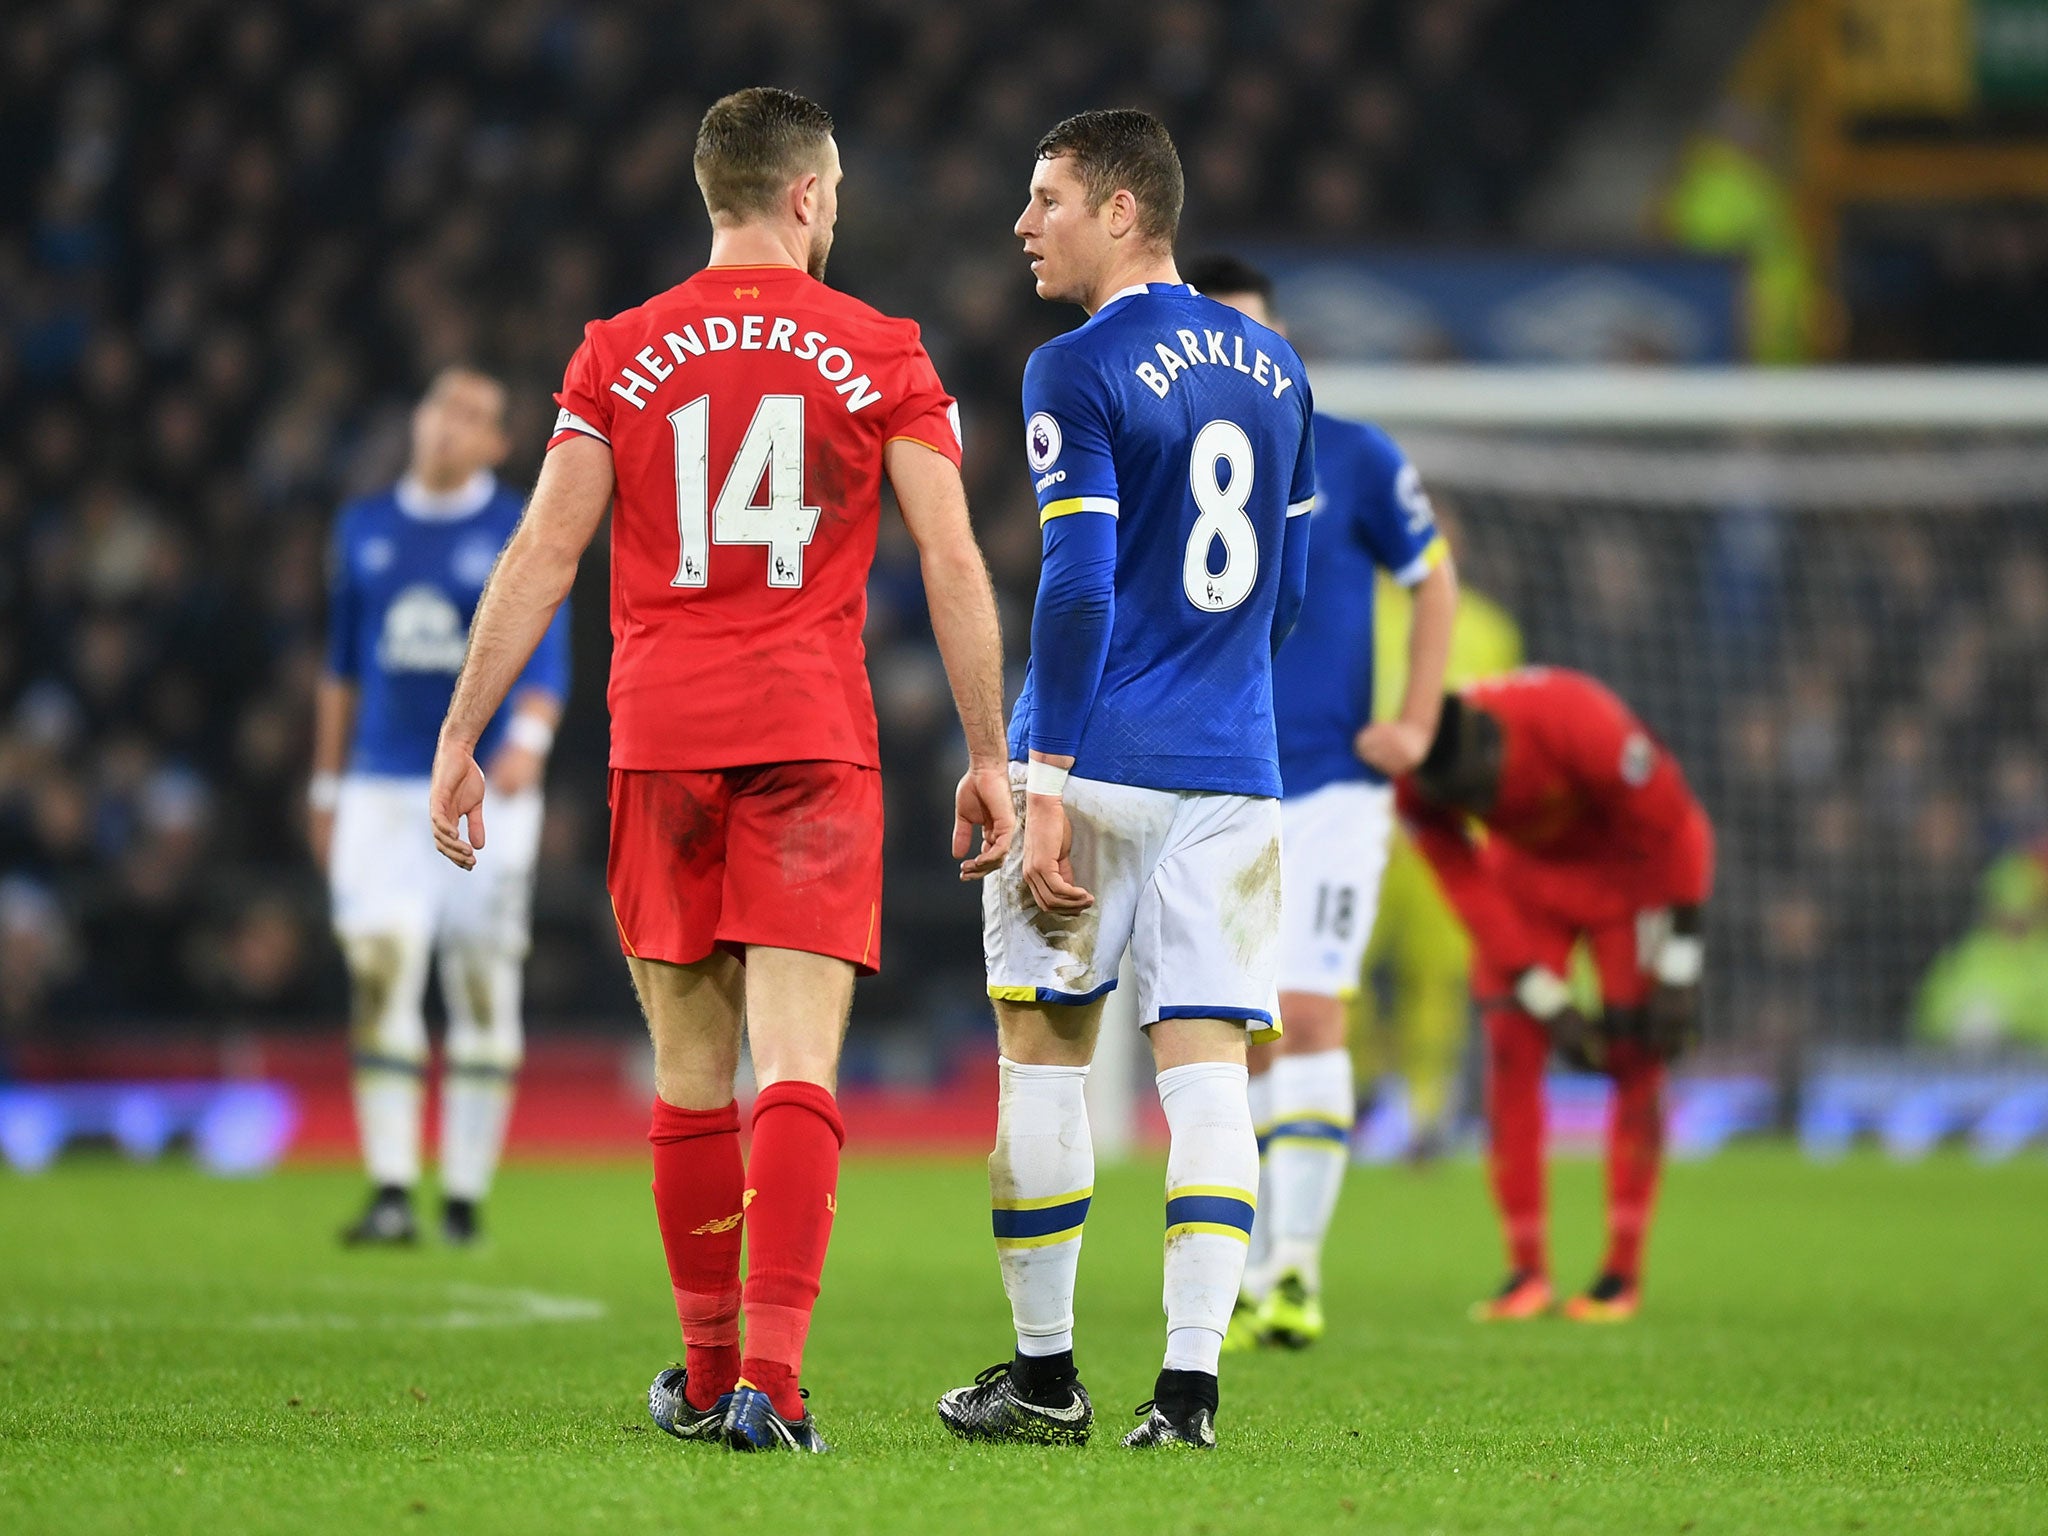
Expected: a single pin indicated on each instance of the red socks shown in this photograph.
(703, 1196)
(699, 1184)
(792, 1194)
(1517, 1049)
(1635, 1146)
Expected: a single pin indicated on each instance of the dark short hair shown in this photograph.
(1124, 147)
(1226, 274)
(754, 143)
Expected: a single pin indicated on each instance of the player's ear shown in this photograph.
(804, 197)
(1123, 213)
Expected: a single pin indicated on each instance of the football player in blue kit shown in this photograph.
(1337, 818)
(1169, 444)
(406, 570)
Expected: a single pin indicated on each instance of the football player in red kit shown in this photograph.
(740, 425)
(1589, 833)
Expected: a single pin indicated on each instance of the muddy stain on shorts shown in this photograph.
(1251, 912)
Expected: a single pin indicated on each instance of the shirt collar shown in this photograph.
(466, 500)
(1137, 288)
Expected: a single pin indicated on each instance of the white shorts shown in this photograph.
(386, 876)
(1189, 881)
(1336, 842)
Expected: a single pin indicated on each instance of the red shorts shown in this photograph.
(784, 854)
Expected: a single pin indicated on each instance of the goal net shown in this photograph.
(1827, 592)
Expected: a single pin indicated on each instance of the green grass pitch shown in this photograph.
(1856, 1347)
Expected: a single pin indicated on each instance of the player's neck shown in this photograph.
(440, 479)
(758, 245)
(1140, 267)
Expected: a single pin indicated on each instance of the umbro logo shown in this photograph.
(719, 1224)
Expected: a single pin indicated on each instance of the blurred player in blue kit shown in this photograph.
(1371, 514)
(406, 570)
(1169, 444)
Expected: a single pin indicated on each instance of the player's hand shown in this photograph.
(320, 837)
(1578, 1040)
(1048, 867)
(456, 794)
(515, 769)
(983, 800)
(1671, 1020)
(1395, 747)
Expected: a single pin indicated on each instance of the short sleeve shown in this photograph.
(341, 604)
(585, 404)
(1066, 435)
(1395, 517)
(921, 410)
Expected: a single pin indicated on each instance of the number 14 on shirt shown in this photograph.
(774, 446)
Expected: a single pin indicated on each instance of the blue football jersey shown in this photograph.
(1189, 424)
(1370, 512)
(404, 575)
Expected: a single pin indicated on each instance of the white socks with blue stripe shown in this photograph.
(1307, 1150)
(1212, 1180)
(1041, 1177)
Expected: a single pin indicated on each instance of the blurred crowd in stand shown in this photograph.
(236, 238)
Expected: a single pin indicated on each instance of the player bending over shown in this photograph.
(405, 574)
(1169, 442)
(1592, 836)
(740, 424)
(1337, 816)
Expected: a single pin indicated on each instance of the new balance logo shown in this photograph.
(720, 1224)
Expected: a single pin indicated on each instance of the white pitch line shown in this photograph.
(467, 1307)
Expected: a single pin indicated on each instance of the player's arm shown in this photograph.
(530, 581)
(1073, 618)
(334, 718)
(963, 610)
(1301, 501)
(538, 698)
(1634, 777)
(1402, 533)
(334, 699)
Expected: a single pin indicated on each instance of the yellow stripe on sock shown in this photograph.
(1042, 1204)
(1045, 1240)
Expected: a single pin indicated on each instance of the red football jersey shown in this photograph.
(1593, 823)
(746, 411)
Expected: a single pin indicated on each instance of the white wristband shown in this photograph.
(1045, 779)
(530, 732)
(323, 791)
(1680, 959)
(1543, 994)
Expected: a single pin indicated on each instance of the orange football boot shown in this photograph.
(1610, 1299)
(1526, 1295)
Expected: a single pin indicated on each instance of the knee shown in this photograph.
(1516, 1046)
(483, 987)
(1310, 1023)
(386, 974)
